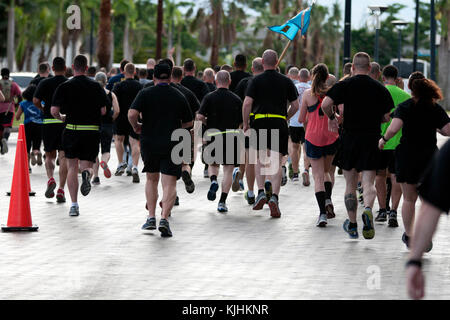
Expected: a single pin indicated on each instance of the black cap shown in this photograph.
(162, 71)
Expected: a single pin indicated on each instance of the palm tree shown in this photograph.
(104, 35)
(159, 29)
(11, 32)
(444, 50)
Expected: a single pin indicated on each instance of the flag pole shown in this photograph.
(284, 53)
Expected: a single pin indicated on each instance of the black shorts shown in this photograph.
(52, 136)
(160, 164)
(267, 127)
(337, 161)
(82, 145)
(387, 161)
(6, 119)
(315, 152)
(232, 152)
(297, 134)
(122, 127)
(33, 133)
(106, 135)
(410, 165)
(360, 151)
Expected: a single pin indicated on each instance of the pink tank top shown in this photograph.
(317, 132)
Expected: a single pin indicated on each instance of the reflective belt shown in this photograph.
(82, 127)
(222, 132)
(51, 121)
(267, 115)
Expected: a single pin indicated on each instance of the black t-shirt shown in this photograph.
(365, 101)
(150, 73)
(435, 187)
(198, 87)
(108, 117)
(242, 86)
(223, 110)
(211, 86)
(163, 110)
(420, 121)
(236, 77)
(190, 97)
(81, 100)
(38, 79)
(126, 91)
(271, 92)
(45, 91)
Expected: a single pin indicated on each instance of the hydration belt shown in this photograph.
(82, 127)
(268, 115)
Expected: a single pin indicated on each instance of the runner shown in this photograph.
(249, 168)
(375, 71)
(150, 68)
(43, 73)
(320, 142)
(106, 129)
(221, 111)
(435, 200)
(53, 130)
(208, 78)
(361, 132)
(269, 95)
(198, 87)
(143, 73)
(126, 91)
(158, 124)
(11, 92)
(297, 130)
(239, 73)
(33, 126)
(83, 102)
(118, 77)
(226, 67)
(419, 118)
(347, 70)
(387, 160)
(91, 72)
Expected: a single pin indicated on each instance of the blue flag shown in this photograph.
(293, 26)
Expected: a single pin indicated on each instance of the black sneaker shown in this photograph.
(268, 190)
(382, 216)
(405, 239)
(121, 169)
(86, 184)
(284, 178)
(96, 181)
(189, 184)
(135, 174)
(392, 221)
(150, 224)
(164, 228)
(177, 201)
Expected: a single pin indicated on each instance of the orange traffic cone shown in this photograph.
(23, 137)
(19, 216)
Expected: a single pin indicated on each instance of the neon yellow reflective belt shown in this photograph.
(51, 121)
(82, 127)
(267, 115)
(222, 132)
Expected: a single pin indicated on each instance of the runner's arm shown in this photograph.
(246, 109)
(295, 105)
(303, 113)
(38, 104)
(133, 116)
(2, 97)
(395, 126)
(445, 131)
(55, 111)
(327, 107)
(19, 113)
(116, 109)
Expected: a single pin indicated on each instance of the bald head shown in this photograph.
(208, 75)
(375, 71)
(293, 73)
(361, 63)
(270, 59)
(223, 79)
(151, 64)
(130, 70)
(331, 81)
(257, 66)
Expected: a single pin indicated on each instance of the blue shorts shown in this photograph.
(315, 152)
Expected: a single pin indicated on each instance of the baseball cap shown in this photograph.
(162, 71)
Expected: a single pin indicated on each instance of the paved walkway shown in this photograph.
(103, 254)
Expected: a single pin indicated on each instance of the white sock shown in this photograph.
(250, 194)
(75, 204)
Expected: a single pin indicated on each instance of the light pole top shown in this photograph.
(377, 11)
(400, 24)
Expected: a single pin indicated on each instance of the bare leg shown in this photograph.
(276, 161)
(368, 183)
(318, 174)
(151, 193)
(72, 179)
(380, 184)
(213, 170)
(295, 152)
(62, 169)
(409, 206)
(96, 166)
(118, 142)
(227, 178)
(351, 203)
(50, 163)
(169, 185)
(396, 193)
(135, 151)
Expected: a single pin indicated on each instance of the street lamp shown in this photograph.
(377, 11)
(400, 25)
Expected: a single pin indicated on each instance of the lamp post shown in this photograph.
(347, 31)
(416, 36)
(377, 11)
(433, 42)
(400, 25)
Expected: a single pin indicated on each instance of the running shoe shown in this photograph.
(392, 221)
(213, 190)
(164, 228)
(33, 159)
(205, 174)
(382, 216)
(121, 169)
(60, 196)
(129, 172)
(4, 146)
(405, 240)
(250, 200)
(150, 224)
(177, 201)
(305, 177)
(51, 186)
(330, 209)
(96, 181)
(274, 207)
(353, 232)
(30, 171)
(241, 185)
(268, 189)
(39, 159)
(236, 177)
(295, 177)
(74, 211)
(368, 229)
(86, 184)
(222, 208)
(284, 177)
(322, 221)
(106, 170)
(188, 183)
(340, 172)
(291, 171)
(260, 201)
(135, 174)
